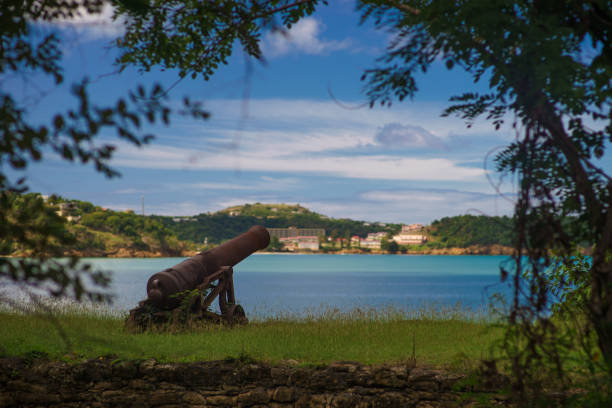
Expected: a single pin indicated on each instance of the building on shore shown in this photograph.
(301, 243)
(377, 235)
(373, 240)
(370, 243)
(294, 238)
(409, 235)
(410, 239)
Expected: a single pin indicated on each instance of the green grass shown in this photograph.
(444, 338)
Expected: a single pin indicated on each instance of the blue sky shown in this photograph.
(289, 141)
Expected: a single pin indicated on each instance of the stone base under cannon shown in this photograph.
(193, 309)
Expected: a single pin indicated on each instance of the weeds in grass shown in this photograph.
(431, 311)
(59, 307)
(450, 337)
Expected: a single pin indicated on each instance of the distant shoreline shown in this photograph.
(127, 253)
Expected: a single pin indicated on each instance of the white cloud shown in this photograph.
(259, 184)
(130, 191)
(431, 203)
(387, 167)
(94, 26)
(173, 187)
(435, 195)
(213, 186)
(304, 36)
(182, 208)
(417, 205)
(395, 134)
(324, 114)
(402, 205)
(323, 137)
(262, 183)
(292, 139)
(317, 137)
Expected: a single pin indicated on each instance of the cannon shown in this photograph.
(189, 287)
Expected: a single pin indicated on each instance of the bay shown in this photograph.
(273, 284)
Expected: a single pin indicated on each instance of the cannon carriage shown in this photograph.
(183, 293)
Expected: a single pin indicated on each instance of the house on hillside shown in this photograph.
(370, 243)
(373, 240)
(68, 210)
(410, 239)
(409, 235)
(294, 238)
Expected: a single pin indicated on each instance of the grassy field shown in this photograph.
(445, 338)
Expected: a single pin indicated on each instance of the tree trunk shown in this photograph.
(601, 287)
(600, 219)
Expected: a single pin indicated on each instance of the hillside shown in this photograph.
(466, 230)
(90, 230)
(267, 210)
(97, 231)
(229, 222)
(461, 231)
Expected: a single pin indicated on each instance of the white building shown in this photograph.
(410, 235)
(301, 242)
(409, 239)
(370, 243)
(294, 238)
(310, 243)
(373, 240)
(377, 235)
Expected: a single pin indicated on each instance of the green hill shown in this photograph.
(229, 222)
(98, 231)
(267, 210)
(465, 230)
(91, 230)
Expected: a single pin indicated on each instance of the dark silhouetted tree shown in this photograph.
(548, 65)
(193, 37)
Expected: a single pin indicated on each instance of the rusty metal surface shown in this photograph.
(192, 272)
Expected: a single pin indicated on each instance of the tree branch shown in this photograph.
(408, 9)
(285, 7)
(552, 122)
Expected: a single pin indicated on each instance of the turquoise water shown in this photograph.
(267, 284)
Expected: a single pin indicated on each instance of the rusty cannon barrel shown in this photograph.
(190, 273)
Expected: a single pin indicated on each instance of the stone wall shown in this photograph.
(114, 383)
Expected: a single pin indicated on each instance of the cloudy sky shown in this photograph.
(294, 130)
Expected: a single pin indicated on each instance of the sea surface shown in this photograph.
(272, 284)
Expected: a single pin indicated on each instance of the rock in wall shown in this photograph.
(231, 383)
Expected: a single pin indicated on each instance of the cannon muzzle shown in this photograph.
(190, 273)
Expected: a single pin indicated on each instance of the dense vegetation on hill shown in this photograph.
(95, 230)
(92, 229)
(23, 212)
(465, 230)
(228, 223)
